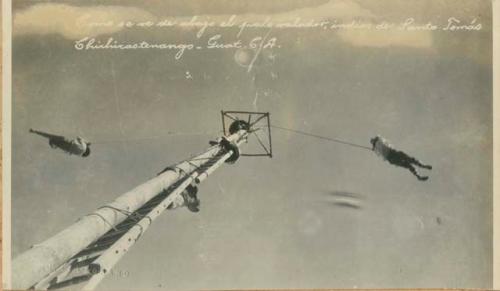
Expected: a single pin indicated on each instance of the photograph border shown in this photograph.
(6, 127)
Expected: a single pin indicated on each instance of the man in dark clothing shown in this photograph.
(77, 146)
(188, 198)
(398, 158)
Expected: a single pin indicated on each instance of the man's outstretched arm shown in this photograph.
(44, 134)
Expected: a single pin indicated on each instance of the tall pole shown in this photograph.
(106, 261)
(44, 258)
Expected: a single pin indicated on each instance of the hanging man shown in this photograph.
(77, 146)
(398, 158)
(188, 198)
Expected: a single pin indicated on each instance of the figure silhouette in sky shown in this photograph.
(398, 158)
(77, 146)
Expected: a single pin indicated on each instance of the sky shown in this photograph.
(265, 223)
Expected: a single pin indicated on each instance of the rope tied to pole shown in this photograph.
(104, 219)
(323, 137)
(150, 138)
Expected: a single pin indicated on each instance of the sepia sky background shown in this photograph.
(265, 223)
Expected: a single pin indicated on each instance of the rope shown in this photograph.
(323, 137)
(206, 133)
(132, 215)
(150, 138)
(104, 219)
(122, 211)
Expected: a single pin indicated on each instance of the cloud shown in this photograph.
(332, 9)
(73, 22)
(350, 10)
(437, 12)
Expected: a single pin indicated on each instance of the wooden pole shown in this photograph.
(42, 259)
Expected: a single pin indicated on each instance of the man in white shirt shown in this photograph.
(398, 158)
(78, 146)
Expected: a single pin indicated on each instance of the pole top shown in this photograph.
(257, 124)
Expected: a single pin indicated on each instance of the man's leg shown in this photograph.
(418, 163)
(401, 159)
(398, 158)
(58, 142)
(414, 172)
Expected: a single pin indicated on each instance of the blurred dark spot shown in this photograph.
(438, 220)
(345, 194)
(347, 204)
(344, 199)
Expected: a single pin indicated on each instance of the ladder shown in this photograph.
(86, 252)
